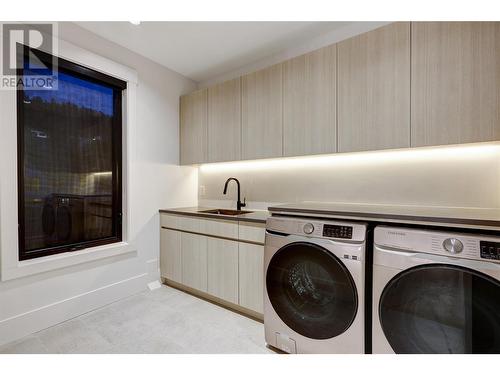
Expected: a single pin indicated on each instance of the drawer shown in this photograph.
(169, 221)
(187, 223)
(191, 224)
(254, 232)
(213, 227)
(221, 228)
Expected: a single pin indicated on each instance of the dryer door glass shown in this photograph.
(441, 308)
(311, 290)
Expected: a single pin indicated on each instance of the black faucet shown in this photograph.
(238, 202)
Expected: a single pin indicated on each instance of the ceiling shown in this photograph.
(202, 50)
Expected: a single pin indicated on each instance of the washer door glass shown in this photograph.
(441, 308)
(311, 290)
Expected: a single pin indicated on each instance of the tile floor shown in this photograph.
(161, 321)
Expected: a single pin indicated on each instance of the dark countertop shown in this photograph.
(256, 216)
(458, 217)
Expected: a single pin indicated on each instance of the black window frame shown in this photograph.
(92, 75)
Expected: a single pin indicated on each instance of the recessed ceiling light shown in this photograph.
(136, 23)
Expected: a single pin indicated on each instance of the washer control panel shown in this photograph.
(490, 250)
(310, 227)
(337, 231)
(453, 245)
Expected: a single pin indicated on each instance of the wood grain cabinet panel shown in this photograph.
(193, 127)
(170, 255)
(194, 261)
(191, 224)
(227, 269)
(309, 103)
(221, 228)
(261, 114)
(224, 121)
(251, 276)
(223, 269)
(253, 232)
(169, 221)
(455, 82)
(374, 89)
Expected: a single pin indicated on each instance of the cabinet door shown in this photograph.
(251, 265)
(309, 103)
(170, 255)
(455, 82)
(261, 114)
(224, 121)
(194, 261)
(374, 89)
(223, 269)
(193, 127)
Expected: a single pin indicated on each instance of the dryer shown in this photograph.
(314, 285)
(435, 292)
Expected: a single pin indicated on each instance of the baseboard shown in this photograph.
(19, 326)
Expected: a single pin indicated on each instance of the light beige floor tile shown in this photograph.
(28, 345)
(73, 337)
(165, 320)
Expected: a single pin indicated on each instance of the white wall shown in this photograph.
(452, 176)
(32, 303)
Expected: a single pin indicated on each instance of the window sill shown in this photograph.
(53, 262)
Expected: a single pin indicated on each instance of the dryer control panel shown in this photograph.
(449, 244)
(490, 250)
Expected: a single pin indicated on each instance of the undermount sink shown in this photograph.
(220, 211)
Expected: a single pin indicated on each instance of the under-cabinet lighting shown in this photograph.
(135, 23)
(454, 152)
(109, 173)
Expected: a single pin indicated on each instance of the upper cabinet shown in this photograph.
(261, 114)
(224, 121)
(193, 127)
(401, 85)
(455, 82)
(309, 103)
(374, 90)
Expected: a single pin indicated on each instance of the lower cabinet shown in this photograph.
(230, 269)
(223, 269)
(194, 261)
(170, 254)
(251, 276)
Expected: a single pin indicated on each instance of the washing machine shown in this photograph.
(314, 285)
(435, 292)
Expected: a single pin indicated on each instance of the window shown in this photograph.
(69, 160)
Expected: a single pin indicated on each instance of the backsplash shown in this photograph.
(456, 176)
